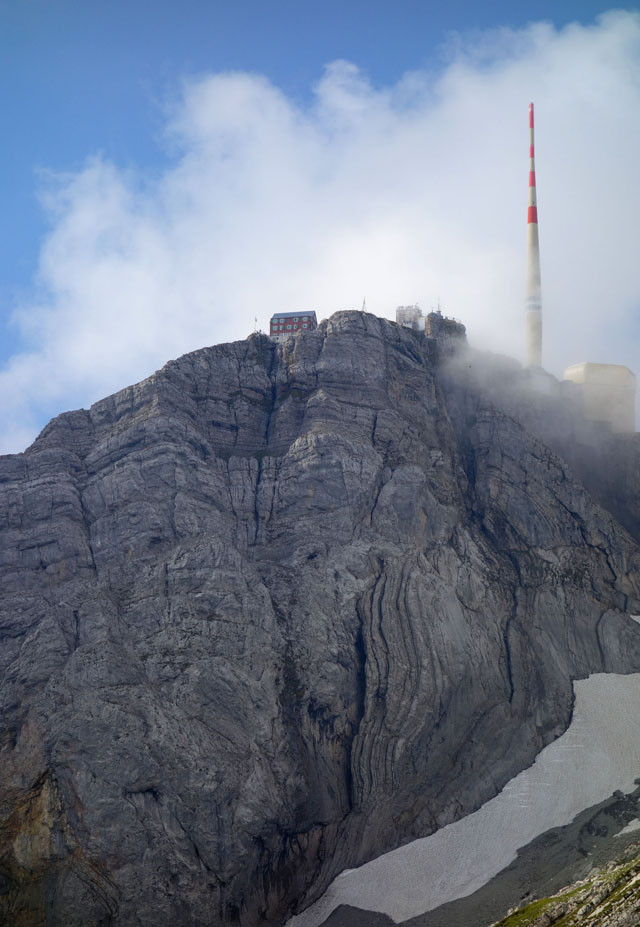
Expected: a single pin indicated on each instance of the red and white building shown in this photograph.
(284, 324)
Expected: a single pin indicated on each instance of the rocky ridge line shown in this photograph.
(610, 897)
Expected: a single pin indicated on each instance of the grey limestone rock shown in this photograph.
(279, 608)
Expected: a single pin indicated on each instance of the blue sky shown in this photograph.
(83, 76)
(112, 81)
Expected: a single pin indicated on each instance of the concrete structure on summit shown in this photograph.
(446, 331)
(605, 393)
(410, 317)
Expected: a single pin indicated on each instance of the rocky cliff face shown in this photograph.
(279, 608)
(609, 897)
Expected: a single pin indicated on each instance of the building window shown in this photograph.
(305, 325)
(296, 319)
(288, 326)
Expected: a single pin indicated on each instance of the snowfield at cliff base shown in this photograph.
(598, 754)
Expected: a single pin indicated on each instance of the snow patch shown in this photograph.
(629, 829)
(599, 753)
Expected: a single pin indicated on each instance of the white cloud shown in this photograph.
(400, 194)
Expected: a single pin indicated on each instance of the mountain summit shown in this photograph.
(280, 608)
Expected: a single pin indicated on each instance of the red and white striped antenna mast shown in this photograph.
(533, 293)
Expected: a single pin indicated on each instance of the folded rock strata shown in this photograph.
(279, 608)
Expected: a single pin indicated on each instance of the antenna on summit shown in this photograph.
(364, 304)
(533, 291)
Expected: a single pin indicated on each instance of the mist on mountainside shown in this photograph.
(403, 193)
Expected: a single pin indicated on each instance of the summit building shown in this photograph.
(284, 324)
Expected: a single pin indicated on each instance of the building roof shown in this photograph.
(603, 374)
(290, 315)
